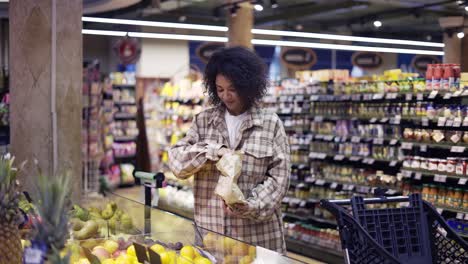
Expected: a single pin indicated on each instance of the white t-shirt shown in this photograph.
(233, 124)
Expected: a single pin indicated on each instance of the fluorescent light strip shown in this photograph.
(177, 36)
(342, 47)
(153, 24)
(263, 42)
(345, 38)
(262, 32)
(104, 32)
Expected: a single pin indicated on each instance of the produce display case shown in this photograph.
(154, 226)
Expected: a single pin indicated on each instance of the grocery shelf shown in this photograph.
(451, 209)
(125, 103)
(124, 86)
(436, 145)
(317, 252)
(125, 157)
(125, 138)
(124, 116)
(433, 173)
(314, 219)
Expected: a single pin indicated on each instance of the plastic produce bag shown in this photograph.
(230, 166)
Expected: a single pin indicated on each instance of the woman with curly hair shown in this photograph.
(236, 81)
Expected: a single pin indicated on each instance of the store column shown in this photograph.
(455, 48)
(46, 87)
(240, 26)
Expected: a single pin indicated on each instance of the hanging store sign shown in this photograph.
(205, 50)
(420, 62)
(367, 60)
(128, 50)
(298, 58)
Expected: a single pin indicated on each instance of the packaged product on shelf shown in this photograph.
(126, 173)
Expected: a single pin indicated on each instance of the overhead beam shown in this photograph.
(302, 11)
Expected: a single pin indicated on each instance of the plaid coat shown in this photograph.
(264, 180)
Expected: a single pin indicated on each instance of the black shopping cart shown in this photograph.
(412, 233)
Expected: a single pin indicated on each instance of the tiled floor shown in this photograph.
(135, 194)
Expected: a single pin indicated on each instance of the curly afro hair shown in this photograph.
(243, 68)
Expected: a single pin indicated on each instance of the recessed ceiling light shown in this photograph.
(377, 24)
(258, 7)
(460, 35)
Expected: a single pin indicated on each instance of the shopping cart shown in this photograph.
(413, 234)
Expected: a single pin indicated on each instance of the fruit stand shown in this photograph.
(175, 239)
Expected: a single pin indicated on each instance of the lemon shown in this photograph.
(188, 252)
(108, 261)
(184, 260)
(201, 260)
(131, 251)
(158, 248)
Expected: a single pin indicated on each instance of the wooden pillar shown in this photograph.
(240, 26)
(46, 88)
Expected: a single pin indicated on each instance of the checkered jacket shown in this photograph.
(264, 180)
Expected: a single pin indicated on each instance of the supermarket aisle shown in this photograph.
(135, 192)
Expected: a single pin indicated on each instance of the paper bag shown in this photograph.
(230, 166)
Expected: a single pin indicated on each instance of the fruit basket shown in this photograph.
(175, 239)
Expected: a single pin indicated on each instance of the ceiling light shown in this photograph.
(263, 32)
(258, 7)
(466, 8)
(377, 24)
(345, 38)
(182, 18)
(104, 32)
(153, 24)
(264, 42)
(274, 4)
(460, 35)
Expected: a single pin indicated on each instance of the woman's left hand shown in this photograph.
(235, 209)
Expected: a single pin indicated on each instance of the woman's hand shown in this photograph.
(222, 151)
(234, 209)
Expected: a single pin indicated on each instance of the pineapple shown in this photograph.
(10, 216)
(53, 205)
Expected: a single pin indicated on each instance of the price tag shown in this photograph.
(423, 148)
(420, 97)
(339, 157)
(393, 163)
(460, 216)
(407, 174)
(449, 122)
(397, 120)
(440, 178)
(417, 176)
(457, 149)
(354, 158)
(407, 145)
(370, 161)
(384, 120)
(319, 136)
(356, 97)
(433, 94)
(378, 141)
(322, 155)
(355, 139)
(333, 185)
(457, 122)
(378, 96)
(328, 137)
(283, 98)
(409, 97)
(440, 210)
(462, 181)
(425, 121)
(350, 187)
(300, 98)
(373, 120)
(314, 97)
(286, 199)
(389, 96)
(391, 192)
(447, 96)
(465, 121)
(319, 182)
(33, 256)
(302, 203)
(441, 121)
(318, 118)
(286, 110)
(466, 217)
(393, 142)
(312, 155)
(457, 93)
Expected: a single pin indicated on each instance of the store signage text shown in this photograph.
(367, 60)
(298, 58)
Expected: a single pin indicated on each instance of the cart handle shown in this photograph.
(393, 199)
(150, 177)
